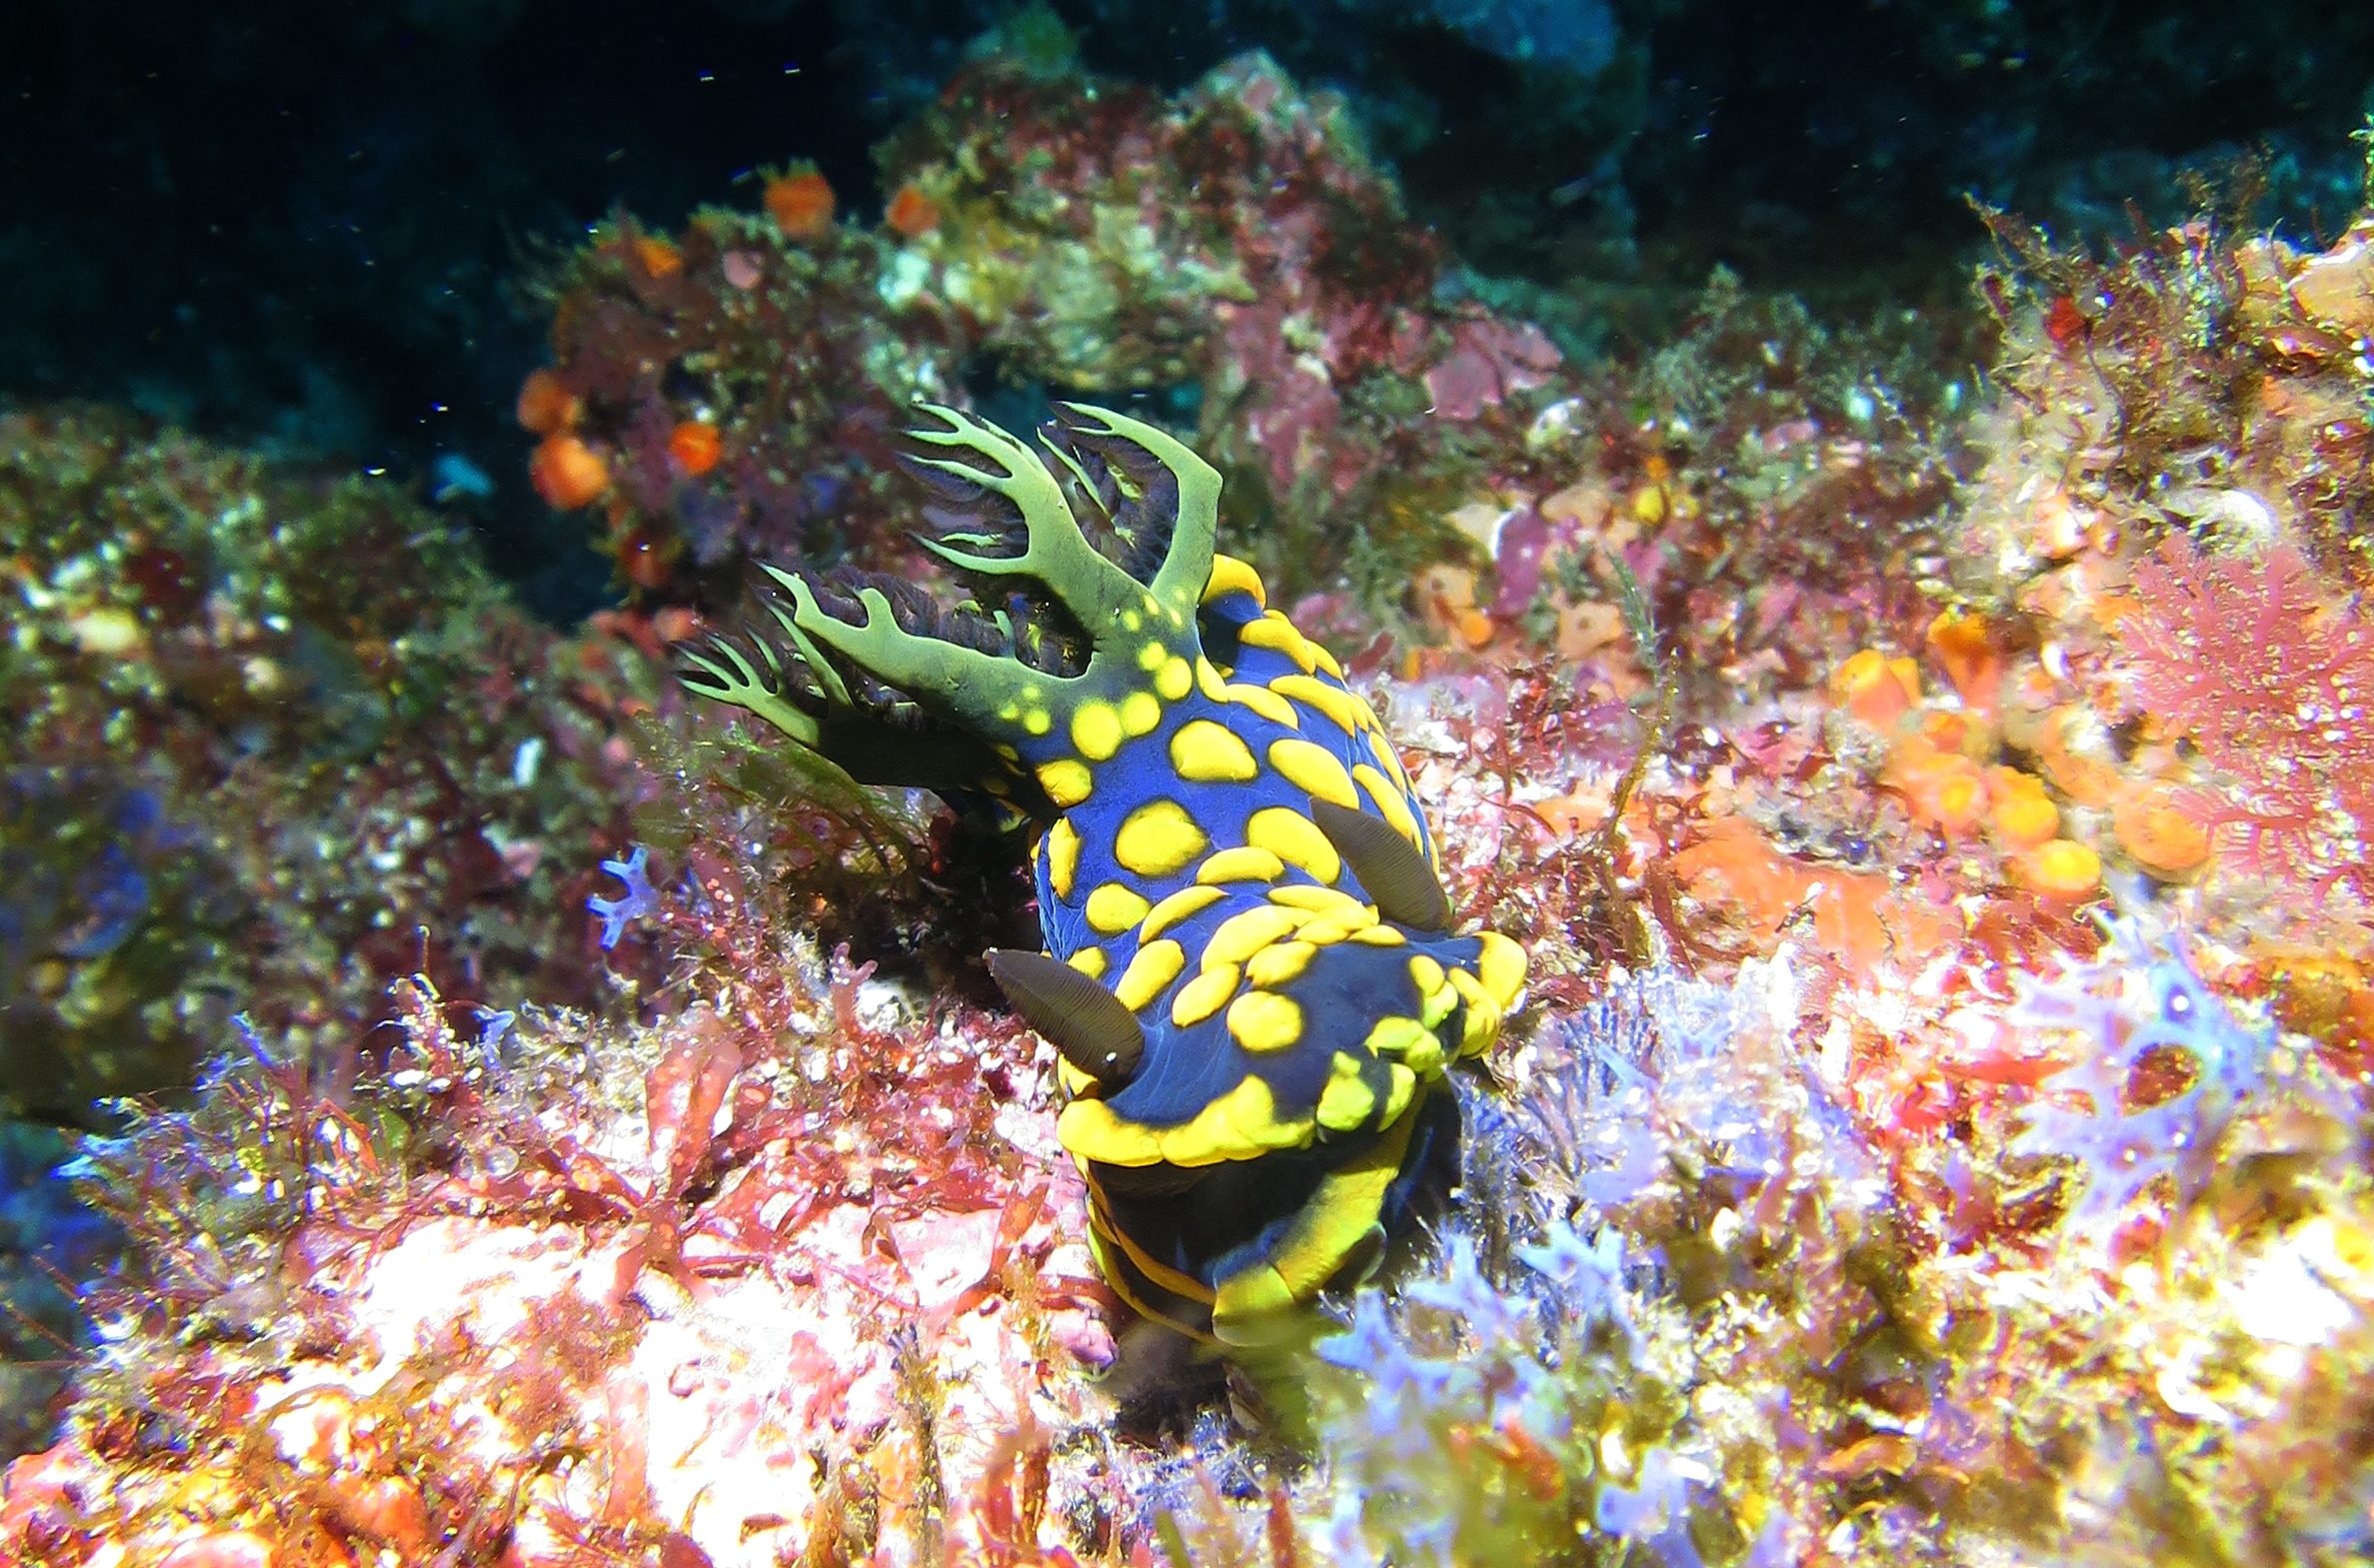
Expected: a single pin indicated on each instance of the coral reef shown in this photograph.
(1231, 251)
(270, 727)
(1934, 805)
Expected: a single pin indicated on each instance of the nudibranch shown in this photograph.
(1250, 975)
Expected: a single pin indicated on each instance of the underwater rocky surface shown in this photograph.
(537, 1117)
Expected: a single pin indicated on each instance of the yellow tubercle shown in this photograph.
(1351, 713)
(1113, 910)
(1275, 632)
(1065, 780)
(1244, 863)
(1150, 975)
(1231, 576)
(1318, 901)
(1203, 752)
(1293, 839)
(1315, 769)
(1240, 936)
(1177, 908)
(1346, 1103)
(1203, 996)
(1140, 712)
(1265, 703)
(1062, 857)
(1409, 1042)
(1279, 962)
(1158, 839)
(1096, 731)
(1501, 969)
(1265, 1021)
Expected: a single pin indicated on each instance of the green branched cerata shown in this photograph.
(1249, 973)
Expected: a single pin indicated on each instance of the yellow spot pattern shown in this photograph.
(1113, 910)
(1240, 936)
(1351, 713)
(1065, 781)
(1318, 901)
(1172, 680)
(1090, 961)
(1140, 712)
(1279, 962)
(1314, 768)
(1150, 973)
(1203, 996)
(1344, 1105)
(1231, 576)
(1244, 863)
(1265, 703)
(1407, 1041)
(1205, 753)
(1501, 969)
(1265, 1021)
(1481, 1025)
(1240, 1124)
(1293, 839)
(1096, 731)
(1158, 839)
(1275, 632)
(1062, 857)
(1175, 908)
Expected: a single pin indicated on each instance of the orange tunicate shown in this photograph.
(658, 256)
(567, 473)
(910, 212)
(695, 446)
(1948, 730)
(2156, 833)
(1966, 646)
(546, 404)
(802, 203)
(1855, 915)
(1874, 687)
(1940, 790)
(2063, 870)
(2023, 816)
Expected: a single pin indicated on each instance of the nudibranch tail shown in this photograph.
(1251, 977)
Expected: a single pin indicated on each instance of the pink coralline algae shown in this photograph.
(1488, 360)
(742, 1322)
(2241, 656)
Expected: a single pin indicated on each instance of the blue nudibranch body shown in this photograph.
(1250, 968)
